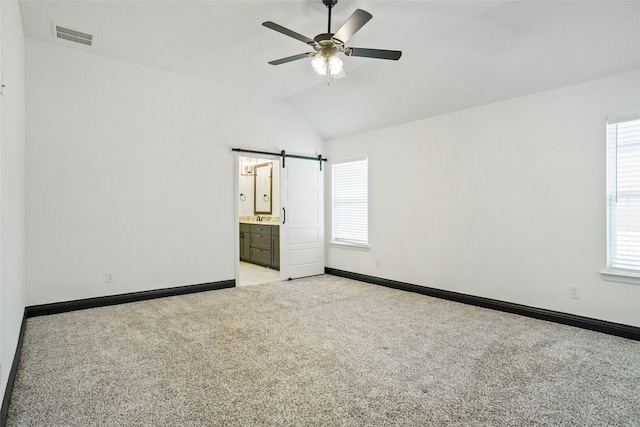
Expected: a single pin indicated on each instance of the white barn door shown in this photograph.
(301, 219)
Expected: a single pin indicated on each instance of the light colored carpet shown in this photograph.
(319, 351)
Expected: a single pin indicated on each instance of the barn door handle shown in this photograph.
(284, 215)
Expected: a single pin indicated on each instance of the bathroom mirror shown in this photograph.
(262, 186)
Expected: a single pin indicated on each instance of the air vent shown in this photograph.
(73, 35)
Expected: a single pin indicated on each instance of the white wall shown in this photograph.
(505, 201)
(12, 183)
(130, 171)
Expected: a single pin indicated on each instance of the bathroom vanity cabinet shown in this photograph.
(260, 244)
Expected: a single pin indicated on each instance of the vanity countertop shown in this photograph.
(265, 221)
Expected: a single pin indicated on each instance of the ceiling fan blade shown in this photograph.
(287, 32)
(352, 25)
(292, 58)
(373, 53)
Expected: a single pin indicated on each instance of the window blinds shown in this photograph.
(350, 202)
(623, 188)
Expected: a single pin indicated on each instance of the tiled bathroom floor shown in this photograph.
(251, 274)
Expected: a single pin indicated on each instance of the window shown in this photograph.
(350, 203)
(623, 191)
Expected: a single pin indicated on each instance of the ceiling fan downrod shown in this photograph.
(329, 4)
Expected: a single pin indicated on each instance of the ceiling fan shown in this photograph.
(328, 45)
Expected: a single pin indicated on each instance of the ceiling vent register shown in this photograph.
(73, 35)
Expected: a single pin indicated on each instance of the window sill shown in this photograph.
(621, 276)
(349, 246)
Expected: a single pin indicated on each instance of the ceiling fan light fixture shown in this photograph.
(319, 64)
(335, 65)
(327, 66)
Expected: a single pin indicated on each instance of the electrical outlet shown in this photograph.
(109, 277)
(574, 291)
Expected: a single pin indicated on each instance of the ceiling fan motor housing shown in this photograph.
(326, 45)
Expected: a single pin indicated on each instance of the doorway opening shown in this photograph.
(293, 243)
(258, 209)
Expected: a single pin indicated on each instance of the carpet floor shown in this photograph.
(321, 351)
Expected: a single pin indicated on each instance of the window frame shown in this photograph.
(345, 243)
(611, 273)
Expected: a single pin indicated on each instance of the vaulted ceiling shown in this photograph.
(456, 54)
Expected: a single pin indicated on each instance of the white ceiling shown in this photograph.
(456, 54)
